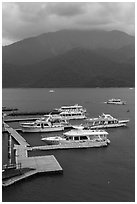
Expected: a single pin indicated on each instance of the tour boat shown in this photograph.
(105, 121)
(68, 115)
(79, 138)
(116, 101)
(42, 125)
(51, 91)
(72, 108)
(73, 115)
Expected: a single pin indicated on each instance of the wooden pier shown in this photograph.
(15, 135)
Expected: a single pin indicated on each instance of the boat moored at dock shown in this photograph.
(73, 115)
(105, 121)
(79, 138)
(42, 125)
(68, 115)
(57, 119)
(72, 108)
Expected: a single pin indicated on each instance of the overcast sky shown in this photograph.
(23, 20)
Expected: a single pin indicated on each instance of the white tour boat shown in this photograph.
(42, 125)
(116, 101)
(73, 115)
(68, 115)
(105, 121)
(72, 108)
(51, 91)
(79, 138)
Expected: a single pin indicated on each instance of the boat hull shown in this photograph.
(73, 117)
(107, 126)
(77, 144)
(116, 103)
(47, 129)
(123, 121)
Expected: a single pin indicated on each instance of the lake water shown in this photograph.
(90, 175)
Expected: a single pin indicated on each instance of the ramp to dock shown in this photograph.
(18, 178)
(16, 135)
(39, 164)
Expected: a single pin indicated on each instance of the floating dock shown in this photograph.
(17, 113)
(41, 164)
(69, 146)
(36, 165)
(19, 119)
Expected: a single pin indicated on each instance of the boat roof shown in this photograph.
(72, 112)
(85, 132)
(72, 106)
(115, 99)
(55, 112)
(103, 117)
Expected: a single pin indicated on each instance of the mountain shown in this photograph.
(124, 54)
(45, 46)
(78, 67)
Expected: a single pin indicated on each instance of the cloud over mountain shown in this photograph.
(23, 20)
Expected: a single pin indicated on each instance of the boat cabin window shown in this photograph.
(42, 125)
(76, 138)
(83, 138)
(96, 123)
(92, 137)
(31, 124)
(46, 125)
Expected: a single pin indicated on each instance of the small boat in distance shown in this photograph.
(105, 121)
(79, 138)
(51, 91)
(116, 101)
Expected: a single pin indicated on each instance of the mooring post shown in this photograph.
(9, 148)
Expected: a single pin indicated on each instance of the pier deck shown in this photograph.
(38, 164)
(16, 135)
(41, 163)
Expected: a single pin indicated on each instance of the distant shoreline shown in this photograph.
(67, 87)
